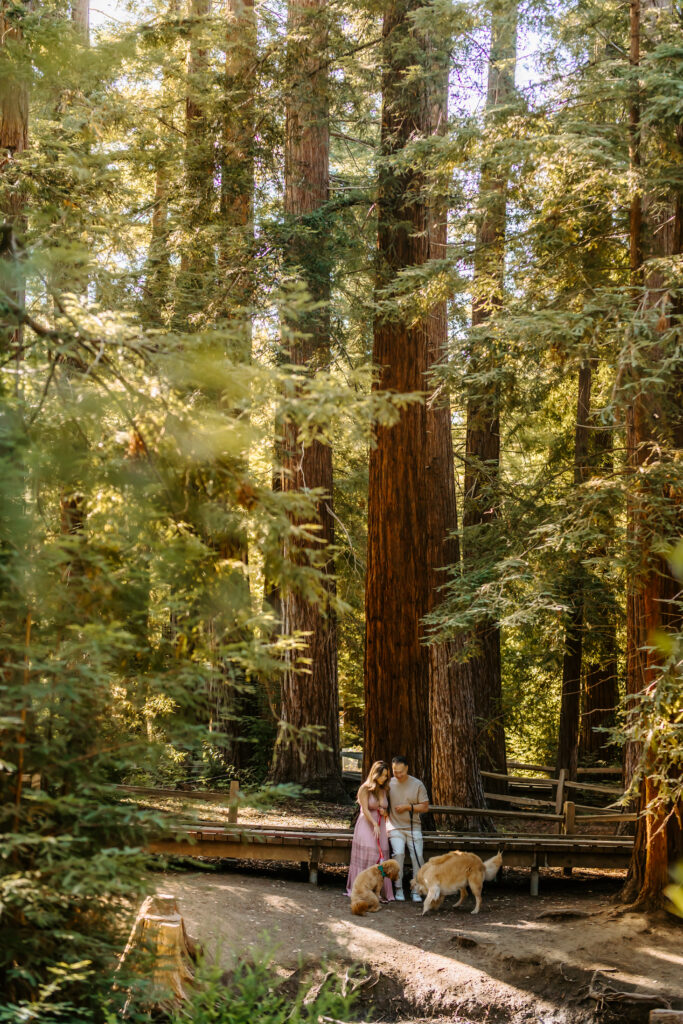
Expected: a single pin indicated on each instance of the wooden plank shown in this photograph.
(520, 855)
(606, 817)
(207, 795)
(526, 801)
(515, 780)
(599, 771)
(596, 810)
(480, 812)
(594, 787)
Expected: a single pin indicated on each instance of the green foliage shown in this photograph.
(146, 309)
(675, 890)
(250, 992)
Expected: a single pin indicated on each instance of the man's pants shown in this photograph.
(399, 839)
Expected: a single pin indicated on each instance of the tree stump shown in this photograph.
(160, 946)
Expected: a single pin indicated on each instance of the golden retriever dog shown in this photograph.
(451, 873)
(368, 885)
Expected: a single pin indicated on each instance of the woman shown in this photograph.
(370, 843)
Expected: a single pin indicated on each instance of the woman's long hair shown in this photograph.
(371, 783)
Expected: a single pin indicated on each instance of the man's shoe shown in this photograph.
(398, 895)
(416, 898)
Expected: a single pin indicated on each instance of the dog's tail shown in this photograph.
(492, 865)
(360, 907)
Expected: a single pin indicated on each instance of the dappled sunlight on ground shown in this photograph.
(507, 955)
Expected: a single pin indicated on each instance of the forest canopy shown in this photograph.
(341, 405)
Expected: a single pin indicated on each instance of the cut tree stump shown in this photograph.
(666, 1016)
(161, 943)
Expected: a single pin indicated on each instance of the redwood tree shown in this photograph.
(568, 739)
(456, 779)
(654, 443)
(397, 581)
(195, 280)
(309, 690)
(482, 462)
(13, 142)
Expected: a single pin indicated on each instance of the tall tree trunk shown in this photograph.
(239, 699)
(237, 171)
(13, 142)
(568, 738)
(80, 16)
(654, 437)
(456, 779)
(483, 424)
(635, 641)
(397, 582)
(599, 707)
(600, 690)
(194, 283)
(310, 694)
(157, 270)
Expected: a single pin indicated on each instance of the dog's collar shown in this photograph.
(381, 871)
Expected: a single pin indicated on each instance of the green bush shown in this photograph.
(251, 994)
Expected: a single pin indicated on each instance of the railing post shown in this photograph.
(234, 794)
(533, 881)
(559, 796)
(569, 818)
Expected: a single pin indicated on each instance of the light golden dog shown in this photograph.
(451, 873)
(368, 885)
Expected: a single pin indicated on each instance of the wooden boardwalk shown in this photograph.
(314, 847)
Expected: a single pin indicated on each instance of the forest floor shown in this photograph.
(568, 956)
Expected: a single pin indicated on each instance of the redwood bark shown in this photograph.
(568, 737)
(483, 421)
(13, 141)
(80, 16)
(456, 779)
(600, 690)
(158, 255)
(241, 706)
(599, 706)
(237, 168)
(654, 436)
(194, 281)
(310, 695)
(397, 581)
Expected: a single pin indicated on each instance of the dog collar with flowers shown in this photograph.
(381, 871)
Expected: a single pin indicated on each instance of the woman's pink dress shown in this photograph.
(364, 850)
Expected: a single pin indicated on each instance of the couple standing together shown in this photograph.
(391, 803)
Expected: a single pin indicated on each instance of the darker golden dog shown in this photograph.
(368, 885)
(454, 872)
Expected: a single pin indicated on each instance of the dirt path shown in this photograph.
(522, 959)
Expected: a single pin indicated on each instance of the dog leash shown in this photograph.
(379, 845)
(412, 838)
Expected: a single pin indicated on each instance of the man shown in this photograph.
(407, 801)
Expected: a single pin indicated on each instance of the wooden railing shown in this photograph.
(558, 808)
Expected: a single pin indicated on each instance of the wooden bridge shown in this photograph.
(315, 847)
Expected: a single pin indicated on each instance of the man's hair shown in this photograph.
(399, 759)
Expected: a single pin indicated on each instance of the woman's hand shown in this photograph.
(375, 828)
